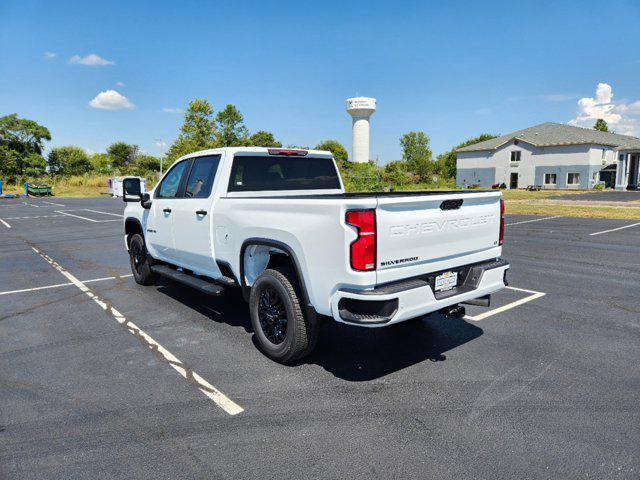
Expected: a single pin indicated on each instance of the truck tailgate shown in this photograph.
(424, 234)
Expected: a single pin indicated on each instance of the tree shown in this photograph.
(396, 173)
(69, 161)
(417, 154)
(336, 148)
(264, 139)
(22, 135)
(122, 154)
(601, 125)
(147, 163)
(101, 163)
(231, 129)
(198, 131)
(446, 164)
(9, 164)
(34, 165)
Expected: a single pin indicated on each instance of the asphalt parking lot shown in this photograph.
(102, 378)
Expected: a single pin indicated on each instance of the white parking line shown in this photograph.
(31, 205)
(508, 306)
(5, 223)
(58, 285)
(534, 220)
(192, 377)
(614, 229)
(53, 203)
(85, 218)
(104, 213)
(33, 216)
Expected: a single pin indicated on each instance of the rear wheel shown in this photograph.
(281, 329)
(140, 261)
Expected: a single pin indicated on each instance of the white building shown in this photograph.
(552, 155)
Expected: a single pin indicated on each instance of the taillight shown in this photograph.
(363, 248)
(501, 238)
(287, 152)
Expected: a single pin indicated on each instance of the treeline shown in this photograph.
(22, 148)
(22, 152)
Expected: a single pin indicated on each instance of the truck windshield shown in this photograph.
(251, 174)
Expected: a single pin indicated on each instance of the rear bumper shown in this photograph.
(398, 301)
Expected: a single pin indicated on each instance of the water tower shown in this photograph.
(360, 109)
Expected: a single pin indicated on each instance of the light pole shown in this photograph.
(160, 144)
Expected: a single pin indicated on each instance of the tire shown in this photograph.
(274, 298)
(140, 261)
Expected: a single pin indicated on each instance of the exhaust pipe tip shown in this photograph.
(480, 302)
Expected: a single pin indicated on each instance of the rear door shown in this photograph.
(420, 234)
(159, 234)
(192, 218)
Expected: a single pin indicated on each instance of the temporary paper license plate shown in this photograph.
(446, 281)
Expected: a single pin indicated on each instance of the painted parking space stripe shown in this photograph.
(104, 213)
(5, 223)
(531, 221)
(32, 216)
(53, 203)
(58, 285)
(533, 295)
(215, 395)
(614, 229)
(85, 218)
(66, 212)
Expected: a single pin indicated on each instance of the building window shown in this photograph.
(573, 179)
(550, 178)
(515, 156)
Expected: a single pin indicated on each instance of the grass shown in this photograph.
(90, 185)
(622, 213)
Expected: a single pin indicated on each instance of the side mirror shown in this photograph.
(145, 201)
(131, 190)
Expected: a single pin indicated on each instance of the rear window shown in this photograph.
(251, 174)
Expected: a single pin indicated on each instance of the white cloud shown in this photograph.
(619, 116)
(91, 60)
(119, 84)
(111, 100)
(173, 110)
(50, 54)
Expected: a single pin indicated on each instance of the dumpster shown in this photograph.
(39, 190)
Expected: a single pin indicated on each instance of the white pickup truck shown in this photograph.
(277, 224)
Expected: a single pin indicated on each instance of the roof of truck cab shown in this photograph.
(257, 150)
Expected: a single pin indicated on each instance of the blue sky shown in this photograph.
(451, 69)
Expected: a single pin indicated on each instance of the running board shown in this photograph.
(192, 281)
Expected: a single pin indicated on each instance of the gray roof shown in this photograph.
(555, 134)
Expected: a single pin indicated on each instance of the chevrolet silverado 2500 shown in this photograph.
(277, 224)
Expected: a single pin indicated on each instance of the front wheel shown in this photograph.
(281, 329)
(140, 261)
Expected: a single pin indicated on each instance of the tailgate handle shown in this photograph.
(451, 204)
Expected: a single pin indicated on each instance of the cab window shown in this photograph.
(201, 177)
(170, 186)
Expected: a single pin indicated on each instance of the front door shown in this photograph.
(192, 219)
(159, 234)
(633, 172)
(513, 180)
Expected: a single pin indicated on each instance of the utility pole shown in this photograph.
(160, 144)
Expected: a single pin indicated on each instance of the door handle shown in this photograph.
(166, 210)
(201, 212)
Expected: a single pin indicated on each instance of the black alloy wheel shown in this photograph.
(273, 315)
